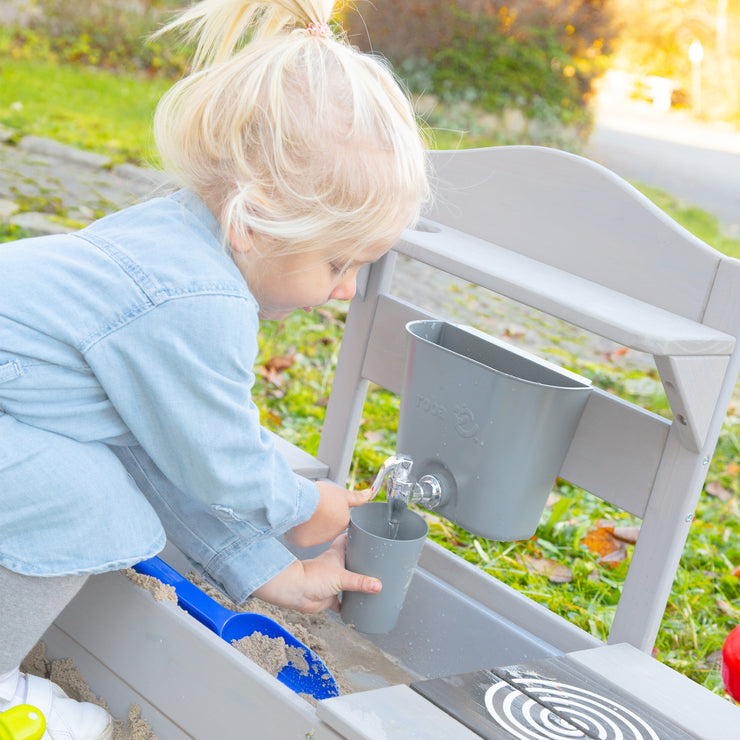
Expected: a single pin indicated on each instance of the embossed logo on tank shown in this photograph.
(435, 408)
(465, 423)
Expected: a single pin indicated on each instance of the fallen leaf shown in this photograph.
(280, 363)
(732, 468)
(613, 559)
(271, 370)
(726, 608)
(736, 571)
(270, 376)
(373, 436)
(555, 572)
(513, 331)
(627, 534)
(714, 659)
(270, 418)
(714, 488)
(619, 352)
(602, 542)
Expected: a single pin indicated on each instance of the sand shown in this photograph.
(160, 591)
(64, 673)
(355, 663)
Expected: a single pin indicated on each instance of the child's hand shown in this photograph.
(331, 516)
(313, 585)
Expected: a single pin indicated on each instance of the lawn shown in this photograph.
(93, 109)
(108, 113)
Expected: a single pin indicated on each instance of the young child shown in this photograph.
(127, 348)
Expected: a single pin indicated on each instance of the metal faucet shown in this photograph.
(402, 489)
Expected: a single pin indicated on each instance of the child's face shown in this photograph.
(286, 283)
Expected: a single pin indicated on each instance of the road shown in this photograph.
(697, 163)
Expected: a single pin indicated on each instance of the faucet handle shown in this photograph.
(390, 468)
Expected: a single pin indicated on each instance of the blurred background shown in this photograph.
(527, 70)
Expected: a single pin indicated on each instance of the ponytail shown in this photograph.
(285, 130)
(217, 27)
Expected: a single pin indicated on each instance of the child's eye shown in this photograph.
(336, 268)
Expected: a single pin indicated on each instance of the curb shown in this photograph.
(51, 148)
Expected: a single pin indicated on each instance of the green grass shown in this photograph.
(84, 107)
(111, 114)
(693, 219)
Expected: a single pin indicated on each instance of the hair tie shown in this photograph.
(315, 28)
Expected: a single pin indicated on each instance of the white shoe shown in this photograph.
(66, 719)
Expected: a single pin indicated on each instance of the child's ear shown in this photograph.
(240, 240)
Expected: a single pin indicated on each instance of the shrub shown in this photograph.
(496, 69)
(539, 58)
(112, 34)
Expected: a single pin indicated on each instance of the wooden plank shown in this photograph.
(571, 213)
(385, 358)
(464, 581)
(549, 698)
(655, 559)
(106, 684)
(300, 461)
(349, 389)
(392, 713)
(616, 451)
(604, 711)
(699, 712)
(692, 386)
(594, 307)
(494, 709)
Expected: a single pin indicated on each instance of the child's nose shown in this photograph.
(346, 289)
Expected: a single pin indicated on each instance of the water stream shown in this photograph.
(396, 507)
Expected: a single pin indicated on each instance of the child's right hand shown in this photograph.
(331, 516)
(314, 585)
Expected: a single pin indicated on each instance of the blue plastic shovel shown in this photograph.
(311, 676)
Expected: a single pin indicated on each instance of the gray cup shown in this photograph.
(370, 552)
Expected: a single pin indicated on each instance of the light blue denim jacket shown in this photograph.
(126, 365)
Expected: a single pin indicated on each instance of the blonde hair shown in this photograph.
(288, 133)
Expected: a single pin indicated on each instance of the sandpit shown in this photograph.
(64, 673)
(355, 663)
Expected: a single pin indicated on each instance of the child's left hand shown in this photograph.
(313, 585)
(331, 516)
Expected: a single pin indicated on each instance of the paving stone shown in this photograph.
(54, 149)
(39, 224)
(7, 209)
(144, 175)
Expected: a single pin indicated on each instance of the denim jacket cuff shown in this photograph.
(308, 500)
(247, 567)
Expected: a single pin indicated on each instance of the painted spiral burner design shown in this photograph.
(553, 710)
